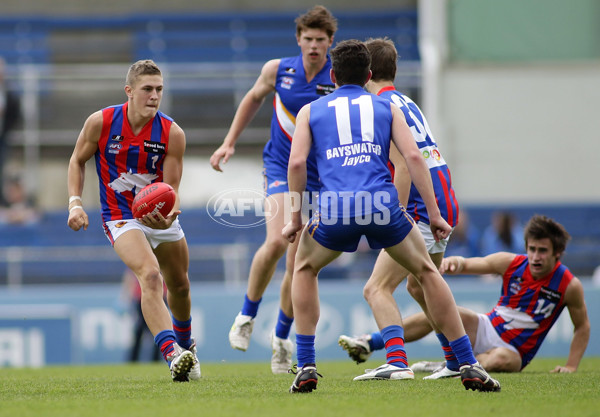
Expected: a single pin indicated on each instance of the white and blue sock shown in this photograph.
(284, 325)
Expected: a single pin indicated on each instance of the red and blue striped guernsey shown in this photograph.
(125, 162)
(440, 173)
(528, 308)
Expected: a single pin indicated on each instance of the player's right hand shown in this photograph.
(290, 230)
(78, 218)
(157, 221)
(224, 152)
(563, 370)
(439, 228)
(452, 265)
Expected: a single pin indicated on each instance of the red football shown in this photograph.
(154, 198)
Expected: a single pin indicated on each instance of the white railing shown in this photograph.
(235, 258)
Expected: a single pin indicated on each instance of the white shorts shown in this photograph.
(155, 237)
(488, 338)
(432, 245)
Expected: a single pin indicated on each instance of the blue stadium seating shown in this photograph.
(254, 37)
(231, 37)
(582, 221)
(24, 40)
(582, 255)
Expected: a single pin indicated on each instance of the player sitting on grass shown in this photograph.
(535, 289)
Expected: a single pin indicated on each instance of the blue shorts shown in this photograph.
(276, 181)
(344, 235)
(275, 170)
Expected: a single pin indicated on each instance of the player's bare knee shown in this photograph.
(508, 364)
(304, 265)
(276, 246)
(495, 365)
(374, 291)
(413, 287)
(370, 291)
(497, 360)
(428, 275)
(150, 281)
(148, 275)
(367, 292)
(180, 288)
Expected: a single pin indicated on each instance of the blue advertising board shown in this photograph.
(35, 335)
(92, 324)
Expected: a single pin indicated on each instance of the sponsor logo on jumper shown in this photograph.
(113, 148)
(354, 154)
(515, 285)
(324, 89)
(550, 294)
(155, 147)
(276, 183)
(290, 70)
(287, 82)
(117, 138)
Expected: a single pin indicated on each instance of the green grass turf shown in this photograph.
(249, 389)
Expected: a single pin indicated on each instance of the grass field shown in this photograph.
(249, 389)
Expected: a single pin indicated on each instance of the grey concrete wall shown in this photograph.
(522, 133)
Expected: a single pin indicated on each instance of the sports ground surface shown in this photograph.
(249, 389)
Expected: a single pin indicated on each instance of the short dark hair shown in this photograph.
(350, 61)
(383, 58)
(541, 227)
(317, 18)
(141, 67)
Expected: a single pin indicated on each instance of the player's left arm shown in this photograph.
(301, 144)
(401, 175)
(172, 172)
(575, 302)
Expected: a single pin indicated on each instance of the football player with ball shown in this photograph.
(134, 146)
